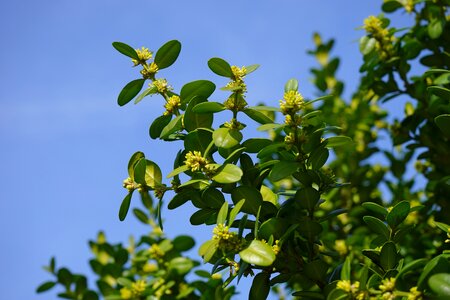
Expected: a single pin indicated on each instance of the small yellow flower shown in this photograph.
(238, 73)
(227, 240)
(155, 251)
(387, 285)
(149, 268)
(276, 247)
(216, 276)
(347, 286)
(172, 104)
(129, 184)
(388, 296)
(126, 293)
(161, 85)
(372, 24)
(195, 161)
(341, 247)
(144, 54)
(414, 294)
(292, 102)
(138, 287)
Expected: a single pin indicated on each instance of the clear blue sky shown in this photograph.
(65, 143)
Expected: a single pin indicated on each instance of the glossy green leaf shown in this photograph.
(438, 264)
(213, 197)
(235, 210)
(318, 158)
(391, 6)
(139, 171)
(226, 138)
(337, 141)
(388, 256)
(192, 120)
(220, 67)
(440, 92)
(252, 197)
(201, 88)
(291, 85)
(198, 140)
(158, 125)
(440, 284)
(442, 226)
(45, 286)
(234, 156)
(125, 206)
(208, 107)
(153, 175)
(377, 225)
(367, 45)
(173, 126)
(283, 169)
(275, 227)
(257, 116)
(415, 264)
(338, 294)
(398, 214)
(167, 54)
(443, 122)
(228, 173)
(136, 157)
(307, 197)
(258, 253)
(181, 198)
(149, 91)
(125, 50)
(201, 216)
(130, 91)
(376, 208)
(223, 214)
(260, 286)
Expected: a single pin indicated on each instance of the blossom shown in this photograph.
(195, 161)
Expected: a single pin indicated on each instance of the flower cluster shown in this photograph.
(228, 241)
(172, 104)
(161, 85)
(136, 289)
(130, 185)
(387, 286)
(384, 39)
(195, 161)
(156, 252)
(144, 54)
(348, 287)
(292, 103)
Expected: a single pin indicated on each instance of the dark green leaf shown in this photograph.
(220, 67)
(346, 268)
(256, 144)
(260, 287)
(167, 54)
(257, 116)
(181, 198)
(45, 286)
(443, 122)
(307, 197)
(388, 256)
(318, 158)
(309, 229)
(90, 295)
(440, 92)
(337, 141)
(202, 88)
(213, 198)
(130, 91)
(158, 125)
(201, 216)
(398, 214)
(183, 243)
(275, 227)
(316, 270)
(377, 225)
(439, 264)
(149, 91)
(141, 216)
(198, 140)
(376, 208)
(252, 197)
(192, 120)
(309, 295)
(125, 206)
(173, 126)
(391, 6)
(208, 107)
(125, 50)
(282, 170)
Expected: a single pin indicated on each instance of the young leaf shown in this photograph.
(235, 210)
(130, 91)
(167, 54)
(173, 126)
(228, 173)
(226, 137)
(223, 214)
(258, 253)
(125, 50)
(220, 67)
(291, 85)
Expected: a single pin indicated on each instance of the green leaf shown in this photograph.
(45, 286)
(346, 268)
(139, 171)
(208, 249)
(440, 92)
(192, 120)
(181, 265)
(418, 263)
(167, 54)
(201, 216)
(223, 214)
(282, 170)
(228, 173)
(90, 295)
(158, 125)
(391, 6)
(177, 171)
(316, 270)
(226, 138)
(123, 211)
(136, 157)
(309, 295)
(442, 226)
(291, 85)
(443, 122)
(257, 116)
(198, 140)
(149, 91)
(65, 277)
(318, 157)
(235, 210)
(275, 227)
(183, 243)
(251, 68)
(440, 284)
(270, 126)
(130, 91)
(310, 229)
(307, 197)
(173, 126)
(213, 198)
(258, 253)
(367, 45)
(439, 264)
(202, 88)
(377, 225)
(398, 214)
(125, 50)
(260, 286)
(181, 198)
(337, 141)
(388, 256)
(220, 67)
(208, 107)
(252, 197)
(376, 208)
(141, 216)
(153, 175)
(436, 27)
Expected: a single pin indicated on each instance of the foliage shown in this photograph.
(282, 212)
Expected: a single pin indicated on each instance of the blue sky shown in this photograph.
(66, 142)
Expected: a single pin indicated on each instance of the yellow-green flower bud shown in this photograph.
(144, 54)
(195, 161)
(172, 104)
